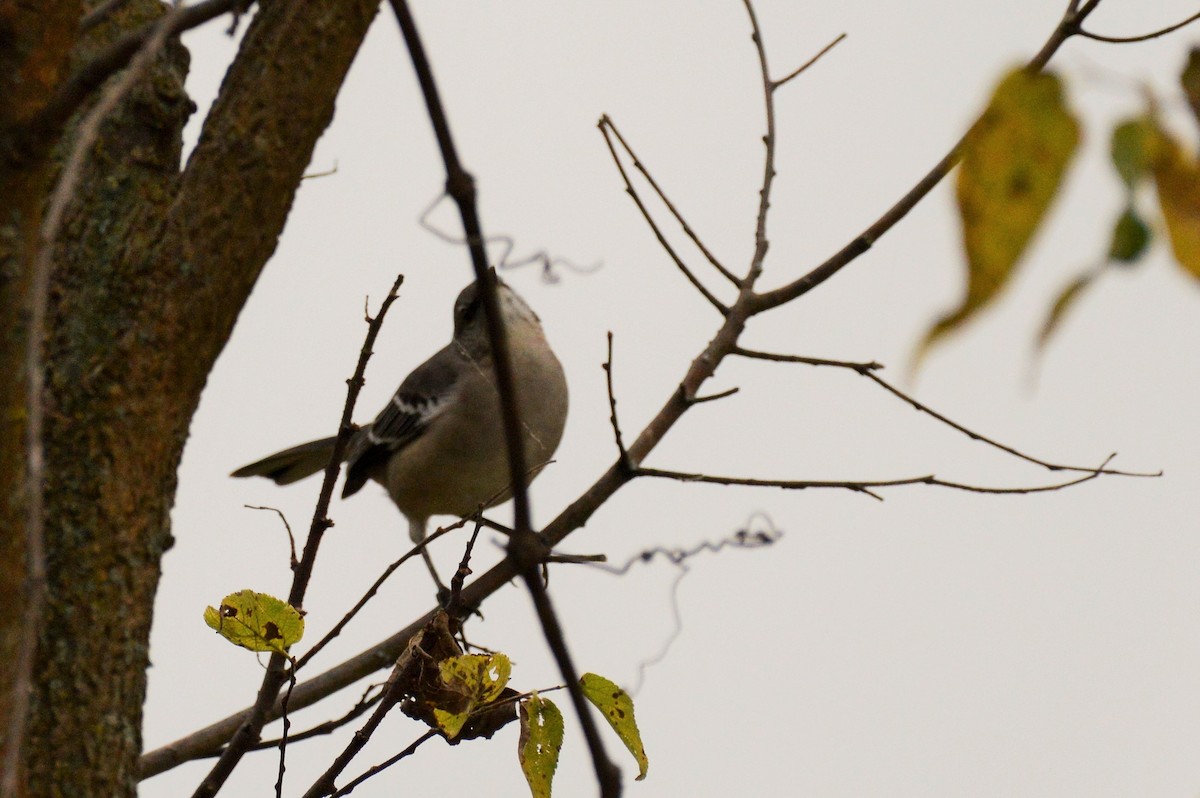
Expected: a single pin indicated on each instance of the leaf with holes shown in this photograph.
(257, 621)
(476, 679)
(1013, 162)
(541, 740)
(617, 708)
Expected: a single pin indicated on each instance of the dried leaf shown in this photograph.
(477, 679)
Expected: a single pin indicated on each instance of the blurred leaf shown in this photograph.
(1190, 80)
(1060, 306)
(256, 621)
(541, 740)
(1178, 180)
(1014, 159)
(476, 679)
(617, 707)
(1130, 238)
(1133, 148)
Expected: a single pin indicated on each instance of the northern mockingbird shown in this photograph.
(438, 446)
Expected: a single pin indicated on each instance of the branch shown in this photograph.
(605, 124)
(579, 512)
(775, 84)
(868, 370)
(605, 120)
(865, 240)
(387, 763)
(1144, 37)
(867, 487)
(249, 731)
(526, 551)
(75, 90)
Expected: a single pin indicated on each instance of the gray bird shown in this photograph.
(438, 446)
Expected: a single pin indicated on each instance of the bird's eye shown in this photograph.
(471, 309)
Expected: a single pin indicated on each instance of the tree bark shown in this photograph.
(152, 267)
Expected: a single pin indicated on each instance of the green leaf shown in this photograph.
(1133, 148)
(1060, 306)
(617, 707)
(1177, 177)
(477, 679)
(541, 740)
(1190, 80)
(256, 621)
(1013, 162)
(1130, 238)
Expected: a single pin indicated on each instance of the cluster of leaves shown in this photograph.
(463, 696)
(1014, 159)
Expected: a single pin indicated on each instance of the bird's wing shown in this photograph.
(422, 397)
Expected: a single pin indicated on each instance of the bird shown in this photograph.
(438, 446)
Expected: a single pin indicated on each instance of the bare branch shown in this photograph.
(248, 732)
(526, 551)
(387, 763)
(687, 228)
(605, 124)
(1144, 37)
(764, 192)
(868, 370)
(612, 406)
(865, 240)
(800, 70)
(291, 538)
(867, 486)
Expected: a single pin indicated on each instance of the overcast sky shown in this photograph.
(936, 643)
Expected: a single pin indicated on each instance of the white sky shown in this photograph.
(938, 643)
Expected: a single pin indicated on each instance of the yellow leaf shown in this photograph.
(477, 679)
(1013, 161)
(541, 740)
(617, 708)
(256, 621)
(1177, 177)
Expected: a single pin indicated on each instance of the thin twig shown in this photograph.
(462, 572)
(687, 228)
(868, 370)
(249, 731)
(800, 69)
(866, 486)
(387, 763)
(374, 588)
(35, 376)
(526, 550)
(612, 406)
(764, 192)
(327, 727)
(865, 240)
(286, 525)
(1144, 37)
(283, 738)
(605, 124)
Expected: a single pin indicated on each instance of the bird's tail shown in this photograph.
(291, 465)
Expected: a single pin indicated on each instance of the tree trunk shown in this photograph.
(152, 267)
